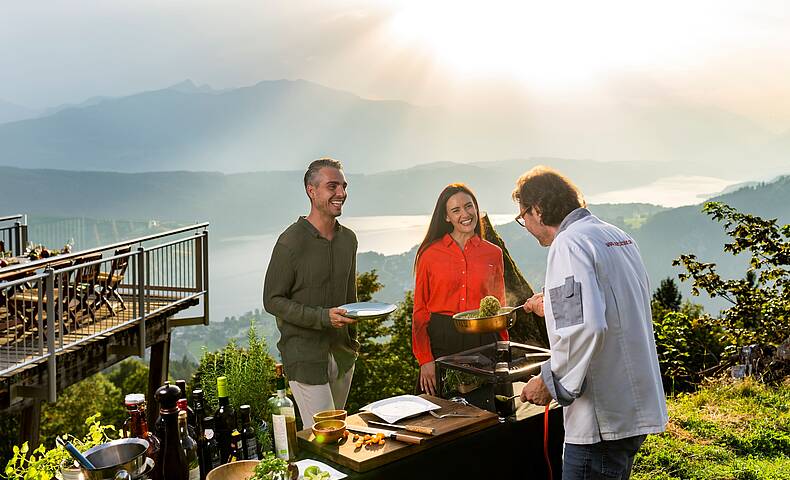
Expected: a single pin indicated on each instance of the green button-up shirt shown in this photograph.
(307, 275)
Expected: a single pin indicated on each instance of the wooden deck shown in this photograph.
(24, 349)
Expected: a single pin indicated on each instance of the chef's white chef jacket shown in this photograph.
(603, 367)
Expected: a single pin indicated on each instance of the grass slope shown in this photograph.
(725, 430)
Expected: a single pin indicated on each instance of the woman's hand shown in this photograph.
(428, 378)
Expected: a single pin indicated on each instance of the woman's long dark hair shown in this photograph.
(439, 226)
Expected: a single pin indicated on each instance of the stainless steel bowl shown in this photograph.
(468, 322)
(111, 457)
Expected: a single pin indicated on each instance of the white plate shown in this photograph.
(369, 310)
(397, 408)
(308, 462)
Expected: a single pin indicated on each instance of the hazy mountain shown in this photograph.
(263, 201)
(11, 112)
(280, 125)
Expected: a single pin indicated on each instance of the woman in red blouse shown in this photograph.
(455, 268)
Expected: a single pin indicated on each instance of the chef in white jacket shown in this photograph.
(596, 301)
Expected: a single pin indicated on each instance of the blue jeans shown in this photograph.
(603, 460)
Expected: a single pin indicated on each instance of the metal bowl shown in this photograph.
(109, 458)
(468, 322)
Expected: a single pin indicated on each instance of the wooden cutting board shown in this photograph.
(361, 460)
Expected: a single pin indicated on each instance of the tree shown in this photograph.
(386, 365)
(667, 295)
(760, 302)
(129, 376)
(95, 394)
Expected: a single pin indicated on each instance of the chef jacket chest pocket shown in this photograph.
(566, 304)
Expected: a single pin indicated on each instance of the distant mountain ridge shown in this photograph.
(256, 202)
(281, 124)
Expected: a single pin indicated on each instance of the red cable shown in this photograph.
(546, 441)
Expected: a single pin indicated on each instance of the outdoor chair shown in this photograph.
(109, 282)
(83, 288)
(24, 302)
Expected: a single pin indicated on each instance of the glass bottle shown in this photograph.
(225, 419)
(199, 410)
(172, 463)
(182, 407)
(189, 445)
(283, 420)
(208, 448)
(136, 426)
(236, 452)
(249, 442)
(182, 384)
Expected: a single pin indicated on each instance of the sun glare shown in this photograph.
(542, 43)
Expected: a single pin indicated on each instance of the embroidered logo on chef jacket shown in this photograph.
(566, 304)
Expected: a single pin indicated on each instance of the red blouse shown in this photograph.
(450, 280)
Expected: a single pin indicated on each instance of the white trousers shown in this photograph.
(311, 399)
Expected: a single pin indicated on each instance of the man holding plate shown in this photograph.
(311, 272)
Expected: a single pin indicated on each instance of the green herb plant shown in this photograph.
(43, 464)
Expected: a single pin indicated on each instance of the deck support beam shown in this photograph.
(157, 375)
(29, 421)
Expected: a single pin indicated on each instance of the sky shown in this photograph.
(727, 54)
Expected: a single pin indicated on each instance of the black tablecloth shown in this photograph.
(513, 449)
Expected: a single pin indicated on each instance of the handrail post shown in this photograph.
(205, 277)
(141, 281)
(52, 381)
(17, 248)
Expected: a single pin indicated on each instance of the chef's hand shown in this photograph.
(428, 378)
(337, 319)
(535, 304)
(535, 392)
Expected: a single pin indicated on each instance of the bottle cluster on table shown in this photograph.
(187, 441)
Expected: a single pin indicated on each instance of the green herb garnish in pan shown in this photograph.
(489, 306)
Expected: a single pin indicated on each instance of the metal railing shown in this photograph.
(57, 304)
(13, 233)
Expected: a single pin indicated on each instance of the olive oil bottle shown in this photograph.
(283, 420)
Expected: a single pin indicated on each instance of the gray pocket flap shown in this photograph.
(567, 289)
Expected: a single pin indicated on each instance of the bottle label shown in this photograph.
(250, 449)
(209, 434)
(194, 474)
(281, 434)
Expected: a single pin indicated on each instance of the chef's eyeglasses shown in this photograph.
(520, 218)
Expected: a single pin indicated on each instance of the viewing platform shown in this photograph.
(68, 315)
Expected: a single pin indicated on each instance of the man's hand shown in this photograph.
(535, 304)
(337, 319)
(428, 378)
(535, 391)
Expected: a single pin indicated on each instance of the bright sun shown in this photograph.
(543, 43)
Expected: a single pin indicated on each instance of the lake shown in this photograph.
(237, 265)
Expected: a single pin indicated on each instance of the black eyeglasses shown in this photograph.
(520, 219)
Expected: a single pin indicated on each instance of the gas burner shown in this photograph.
(495, 366)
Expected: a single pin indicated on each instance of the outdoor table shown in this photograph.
(509, 449)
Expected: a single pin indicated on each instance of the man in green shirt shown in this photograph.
(312, 271)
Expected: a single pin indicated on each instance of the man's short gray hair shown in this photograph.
(316, 165)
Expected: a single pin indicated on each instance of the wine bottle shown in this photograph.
(225, 418)
(182, 384)
(249, 444)
(172, 463)
(189, 445)
(283, 420)
(208, 448)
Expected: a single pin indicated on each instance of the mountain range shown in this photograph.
(282, 124)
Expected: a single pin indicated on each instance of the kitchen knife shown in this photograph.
(387, 434)
(408, 428)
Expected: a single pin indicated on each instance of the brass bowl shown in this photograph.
(241, 470)
(329, 431)
(329, 415)
(467, 322)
